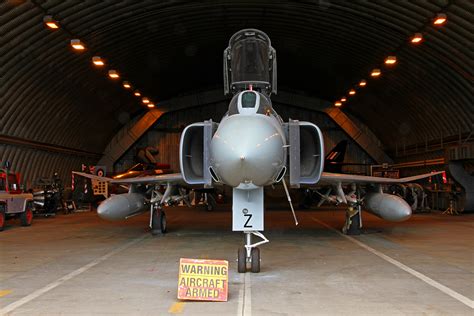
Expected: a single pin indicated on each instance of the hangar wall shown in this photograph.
(165, 134)
(33, 163)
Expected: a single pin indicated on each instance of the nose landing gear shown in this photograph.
(250, 253)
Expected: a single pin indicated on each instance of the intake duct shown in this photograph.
(306, 153)
(194, 152)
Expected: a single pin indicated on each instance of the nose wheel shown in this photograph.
(250, 253)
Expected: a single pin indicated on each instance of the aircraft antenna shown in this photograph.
(289, 200)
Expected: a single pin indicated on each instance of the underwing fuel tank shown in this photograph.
(120, 206)
(387, 206)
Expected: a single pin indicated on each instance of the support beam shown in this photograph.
(362, 138)
(127, 136)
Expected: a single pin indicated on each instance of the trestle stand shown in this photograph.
(353, 222)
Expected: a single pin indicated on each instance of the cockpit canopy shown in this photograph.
(250, 59)
(250, 102)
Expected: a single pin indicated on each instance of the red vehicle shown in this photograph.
(13, 201)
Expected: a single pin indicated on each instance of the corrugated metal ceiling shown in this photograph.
(167, 48)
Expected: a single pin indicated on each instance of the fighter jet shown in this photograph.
(251, 147)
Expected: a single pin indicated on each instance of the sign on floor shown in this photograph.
(203, 280)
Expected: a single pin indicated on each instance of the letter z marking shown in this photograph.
(246, 225)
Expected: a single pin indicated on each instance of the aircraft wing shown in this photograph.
(332, 178)
(156, 179)
(162, 178)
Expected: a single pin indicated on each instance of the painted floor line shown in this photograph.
(12, 306)
(461, 298)
(176, 308)
(244, 307)
(240, 306)
(248, 296)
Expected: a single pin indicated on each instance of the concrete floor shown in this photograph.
(79, 264)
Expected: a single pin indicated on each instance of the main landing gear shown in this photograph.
(250, 253)
(157, 214)
(158, 220)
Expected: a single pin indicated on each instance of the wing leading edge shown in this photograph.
(352, 178)
(173, 178)
(326, 177)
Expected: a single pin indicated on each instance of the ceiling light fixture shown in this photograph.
(50, 22)
(145, 100)
(77, 44)
(375, 73)
(113, 74)
(440, 19)
(150, 105)
(343, 99)
(126, 85)
(362, 83)
(390, 60)
(338, 103)
(418, 37)
(98, 61)
(137, 93)
(352, 92)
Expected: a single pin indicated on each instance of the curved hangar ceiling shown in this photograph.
(53, 94)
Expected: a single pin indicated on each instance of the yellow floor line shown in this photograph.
(176, 308)
(4, 292)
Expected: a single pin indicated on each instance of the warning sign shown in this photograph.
(203, 280)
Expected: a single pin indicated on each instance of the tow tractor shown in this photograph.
(13, 201)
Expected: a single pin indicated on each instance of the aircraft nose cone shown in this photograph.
(247, 149)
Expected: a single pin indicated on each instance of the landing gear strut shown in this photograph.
(157, 214)
(250, 253)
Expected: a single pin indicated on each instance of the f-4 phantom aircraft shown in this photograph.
(249, 149)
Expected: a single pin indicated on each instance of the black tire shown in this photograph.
(255, 256)
(163, 222)
(26, 217)
(2, 218)
(158, 223)
(211, 202)
(242, 260)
